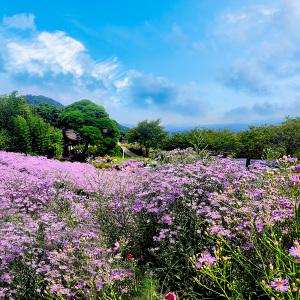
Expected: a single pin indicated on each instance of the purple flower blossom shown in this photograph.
(280, 284)
(295, 251)
(167, 219)
(60, 201)
(205, 259)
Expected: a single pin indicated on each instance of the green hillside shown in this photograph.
(32, 99)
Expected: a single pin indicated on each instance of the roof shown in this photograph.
(71, 135)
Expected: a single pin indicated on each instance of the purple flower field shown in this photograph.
(204, 229)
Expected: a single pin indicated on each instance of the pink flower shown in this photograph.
(130, 257)
(280, 284)
(116, 247)
(171, 296)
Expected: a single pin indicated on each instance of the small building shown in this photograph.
(71, 139)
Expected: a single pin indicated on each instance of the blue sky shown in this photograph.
(187, 62)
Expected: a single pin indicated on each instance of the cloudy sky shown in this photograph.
(187, 62)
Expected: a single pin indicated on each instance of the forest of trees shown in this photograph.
(42, 128)
(22, 130)
(258, 142)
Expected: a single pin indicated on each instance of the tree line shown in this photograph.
(258, 142)
(84, 129)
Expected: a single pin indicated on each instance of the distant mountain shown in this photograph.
(235, 127)
(123, 128)
(32, 99)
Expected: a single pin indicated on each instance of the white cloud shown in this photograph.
(253, 15)
(47, 52)
(268, 50)
(122, 83)
(236, 17)
(55, 54)
(56, 64)
(106, 69)
(19, 21)
(247, 76)
(263, 111)
(156, 92)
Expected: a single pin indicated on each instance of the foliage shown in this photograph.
(254, 143)
(91, 121)
(216, 141)
(21, 138)
(289, 135)
(272, 153)
(177, 141)
(25, 131)
(90, 135)
(4, 139)
(49, 113)
(148, 134)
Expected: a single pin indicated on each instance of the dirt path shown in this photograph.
(127, 151)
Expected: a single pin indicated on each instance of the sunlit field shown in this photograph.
(186, 229)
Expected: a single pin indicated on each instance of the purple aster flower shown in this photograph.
(294, 180)
(205, 259)
(280, 284)
(6, 278)
(289, 159)
(215, 229)
(167, 219)
(295, 251)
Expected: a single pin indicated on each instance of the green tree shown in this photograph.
(49, 113)
(148, 134)
(253, 143)
(39, 131)
(177, 141)
(56, 142)
(86, 117)
(216, 141)
(288, 135)
(21, 135)
(12, 106)
(5, 139)
(23, 130)
(91, 136)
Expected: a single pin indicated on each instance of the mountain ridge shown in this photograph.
(40, 99)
